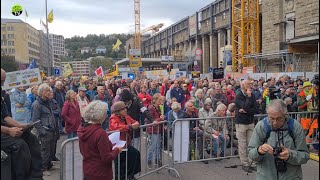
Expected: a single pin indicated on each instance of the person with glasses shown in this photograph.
(280, 146)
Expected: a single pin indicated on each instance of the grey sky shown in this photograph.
(82, 17)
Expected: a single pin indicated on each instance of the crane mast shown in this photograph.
(245, 32)
(137, 34)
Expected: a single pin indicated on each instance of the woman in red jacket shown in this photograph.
(121, 121)
(144, 96)
(94, 143)
(71, 114)
(156, 130)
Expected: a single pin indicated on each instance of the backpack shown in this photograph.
(267, 128)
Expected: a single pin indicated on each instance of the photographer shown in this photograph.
(278, 145)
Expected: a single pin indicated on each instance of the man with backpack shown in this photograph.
(278, 145)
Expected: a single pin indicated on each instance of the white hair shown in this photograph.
(220, 107)
(287, 99)
(95, 111)
(119, 91)
(176, 105)
(43, 87)
(197, 92)
(58, 83)
(277, 105)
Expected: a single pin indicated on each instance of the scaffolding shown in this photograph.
(245, 32)
(290, 62)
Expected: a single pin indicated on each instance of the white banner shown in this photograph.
(181, 141)
(27, 77)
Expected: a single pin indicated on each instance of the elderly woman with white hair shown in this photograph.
(95, 146)
(206, 111)
(199, 99)
(218, 128)
(175, 113)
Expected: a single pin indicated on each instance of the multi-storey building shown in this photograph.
(79, 67)
(46, 56)
(289, 36)
(58, 44)
(21, 40)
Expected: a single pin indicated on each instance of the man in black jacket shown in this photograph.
(245, 110)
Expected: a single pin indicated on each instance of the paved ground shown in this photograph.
(215, 170)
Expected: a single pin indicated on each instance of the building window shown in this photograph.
(13, 51)
(4, 36)
(10, 36)
(3, 43)
(3, 28)
(10, 43)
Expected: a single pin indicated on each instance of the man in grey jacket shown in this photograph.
(42, 110)
(291, 145)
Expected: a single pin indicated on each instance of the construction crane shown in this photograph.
(245, 32)
(137, 33)
(153, 29)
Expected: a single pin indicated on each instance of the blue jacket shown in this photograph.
(32, 98)
(91, 94)
(21, 114)
(171, 118)
(178, 94)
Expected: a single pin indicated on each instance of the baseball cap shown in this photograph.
(82, 89)
(306, 84)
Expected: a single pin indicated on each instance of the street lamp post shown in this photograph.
(48, 41)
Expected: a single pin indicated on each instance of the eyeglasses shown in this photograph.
(277, 119)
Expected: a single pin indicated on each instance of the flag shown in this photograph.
(99, 72)
(27, 14)
(67, 70)
(32, 65)
(117, 45)
(50, 16)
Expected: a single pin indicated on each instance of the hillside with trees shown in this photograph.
(76, 43)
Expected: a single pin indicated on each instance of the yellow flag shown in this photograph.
(50, 16)
(117, 45)
(27, 14)
(67, 70)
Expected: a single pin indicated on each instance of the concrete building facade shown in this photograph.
(58, 44)
(79, 67)
(46, 56)
(21, 40)
(286, 30)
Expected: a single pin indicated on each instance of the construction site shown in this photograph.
(238, 35)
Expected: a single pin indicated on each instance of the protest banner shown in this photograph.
(27, 77)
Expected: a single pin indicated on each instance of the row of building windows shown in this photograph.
(33, 46)
(8, 28)
(35, 40)
(58, 45)
(30, 31)
(5, 43)
(34, 53)
(8, 51)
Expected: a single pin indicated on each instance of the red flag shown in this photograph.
(99, 72)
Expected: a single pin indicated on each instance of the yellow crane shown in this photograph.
(153, 29)
(245, 32)
(137, 33)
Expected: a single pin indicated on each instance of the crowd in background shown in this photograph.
(60, 103)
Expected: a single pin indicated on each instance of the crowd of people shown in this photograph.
(83, 107)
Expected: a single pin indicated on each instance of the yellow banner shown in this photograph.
(67, 70)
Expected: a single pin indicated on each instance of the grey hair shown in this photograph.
(287, 99)
(209, 92)
(119, 91)
(197, 92)
(221, 106)
(231, 105)
(95, 111)
(68, 94)
(175, 105)
(277, 105)
(59, 82)
(43, 87)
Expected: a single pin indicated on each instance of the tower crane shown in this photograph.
(153, 29)
(245, 32)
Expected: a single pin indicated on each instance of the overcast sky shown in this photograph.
(82, 17)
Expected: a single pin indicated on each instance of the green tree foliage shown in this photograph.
(76, 43)
(9, 64)
(106, 63)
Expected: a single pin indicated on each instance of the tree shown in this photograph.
(106, 63)
(9, 64)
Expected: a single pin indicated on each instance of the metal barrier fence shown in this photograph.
(196, 139)
(189, 144)
(150, 140)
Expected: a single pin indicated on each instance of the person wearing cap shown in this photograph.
(121, 121)
(82, 99)
(304, 96)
